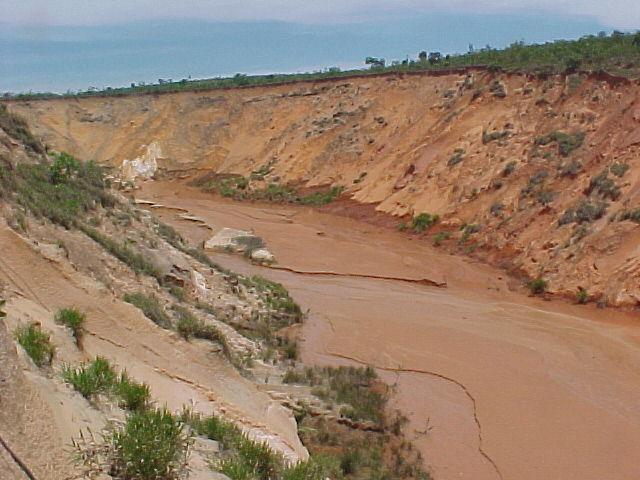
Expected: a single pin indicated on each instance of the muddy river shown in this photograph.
(495, 384)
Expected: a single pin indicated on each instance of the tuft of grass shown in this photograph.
(440, 237)
(538, 286)
(150, 306)
(178, 293)
(36, 343)
(92, 379)
(582, 296)
(566, 142)
(152, 445)
(322, 197)
(456, 157)
(133, 396)
(73, 319)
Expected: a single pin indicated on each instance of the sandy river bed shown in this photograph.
(496, 384)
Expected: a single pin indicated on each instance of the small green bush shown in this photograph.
(36, 343)
(619, 169)
(582, 296)
(322, 198)
(423, 221)
(457, 157)
(509, 168)
(151, 308)
(440, 237)
(92, 379)
(537, 286)
(567, 143)
(73, 319)
(152, 445)
(132, 395)
(604, 186)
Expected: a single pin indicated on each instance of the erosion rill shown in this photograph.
(515, 358)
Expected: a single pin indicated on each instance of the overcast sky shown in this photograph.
(623, 14)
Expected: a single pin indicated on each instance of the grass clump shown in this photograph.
(488, 137)
(36, 343)
(619, 169)
(509, 168)
(456, 157)
(152, 445)
(604, 186)
(277, 297)
(632, 215)
(584, 211)
(537, 286)
(582, 296)
(420, 223)
(150, 306)
(132, 395)
(566, 143)
(440, 237)
(98, 377)
(73, 319)
(322, 197)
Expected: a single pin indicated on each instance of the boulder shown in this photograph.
(234, 240)
(262, 255)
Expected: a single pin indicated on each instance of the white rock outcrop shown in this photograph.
(144, 166)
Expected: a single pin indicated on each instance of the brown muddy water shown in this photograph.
(495, 384)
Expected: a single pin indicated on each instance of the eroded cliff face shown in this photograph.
(543, 169)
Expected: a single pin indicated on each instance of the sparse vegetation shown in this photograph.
(150, 306)
(322, 197)
(633, 215)
(36, 343)
(16, 127)
(61, 192)
(488, 137)
(584, 212)
(73, 319)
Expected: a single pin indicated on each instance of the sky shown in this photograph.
(624, 14)
(57, 45)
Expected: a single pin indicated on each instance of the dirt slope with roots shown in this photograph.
(461, 146)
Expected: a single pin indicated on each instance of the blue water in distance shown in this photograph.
(58, 58)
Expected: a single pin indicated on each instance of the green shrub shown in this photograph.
(509, 168)
(567, 143)
(604, 186)
(440, 237)
(73, 319)
(132, 395)
(582, 296)
(152, 445)
(570, 169)
(323, 197)
(150, 306)
(488, 137)
(92, 379)
(36, 343)
(537, 286)
(457, 157)
(633, 215)
(423, 221)
(178, 293)
(187, 325)
(619, 169)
